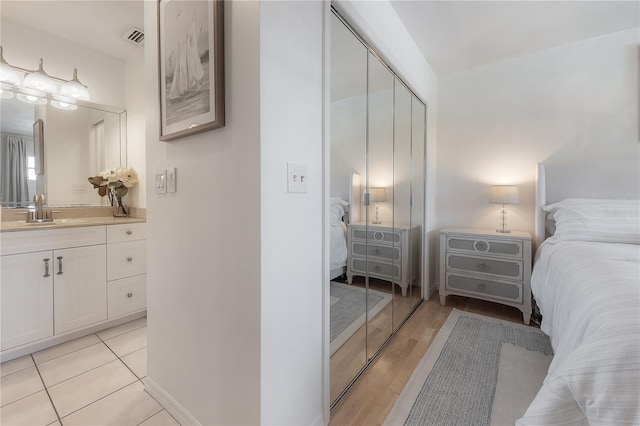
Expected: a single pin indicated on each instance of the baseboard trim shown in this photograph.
(169, 403)
(319, 421)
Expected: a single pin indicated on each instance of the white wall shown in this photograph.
(291, 93)
(378, 21)
(497, 121)
(204, 296)
(135, 105)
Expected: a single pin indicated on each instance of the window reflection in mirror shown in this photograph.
(77, 144)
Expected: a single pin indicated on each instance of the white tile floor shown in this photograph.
(94, 380)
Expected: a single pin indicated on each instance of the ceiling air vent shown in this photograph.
(134, 36)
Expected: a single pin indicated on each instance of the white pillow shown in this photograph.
(609, 221)
(336, 211)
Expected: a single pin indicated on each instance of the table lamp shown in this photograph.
(504, 194)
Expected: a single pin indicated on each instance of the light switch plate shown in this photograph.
(296, 178)
(171, 179)
(161, 182)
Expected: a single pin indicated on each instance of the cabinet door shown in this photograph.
(80, 287)
(27, 298)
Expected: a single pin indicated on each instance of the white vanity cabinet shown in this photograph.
(126, 268)
(27, 298)
(61, 283)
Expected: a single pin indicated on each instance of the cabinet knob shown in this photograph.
(129, 232)
(377, 268)
(129, 259)
(377, 251)
(481, 286)
(482, 266)
(129, 294)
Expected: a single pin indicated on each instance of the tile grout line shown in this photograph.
(46, 389)
(93, 402)
(161, 409)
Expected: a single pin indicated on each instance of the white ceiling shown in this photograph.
(457, 35)
(97, 24)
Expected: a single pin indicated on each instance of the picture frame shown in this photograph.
(190, 67)
(38, 146)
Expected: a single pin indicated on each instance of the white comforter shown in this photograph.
(589, 297)
(338, 248)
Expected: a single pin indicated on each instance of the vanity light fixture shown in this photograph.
(39, 87)
(504, 194)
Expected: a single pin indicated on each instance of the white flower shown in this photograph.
(128, 177)
(109, 175)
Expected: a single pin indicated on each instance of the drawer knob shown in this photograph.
(377, 251)
(482, 266)
(129, 294)
(377, 268)
(129, 259)
(129, 232)
(481, 286)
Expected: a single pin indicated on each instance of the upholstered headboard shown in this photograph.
(611, 178)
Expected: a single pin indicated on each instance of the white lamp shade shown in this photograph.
(7, 73)
(75, 89)
(378, 195)
(40, 80)
(504, 194)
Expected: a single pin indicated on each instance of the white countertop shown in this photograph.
(10, 226)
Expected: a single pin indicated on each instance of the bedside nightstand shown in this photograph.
(487, 265)
(388, 253)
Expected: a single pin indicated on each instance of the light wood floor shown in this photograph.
(373, 396)
(351, 357)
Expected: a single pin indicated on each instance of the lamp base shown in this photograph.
(503, 231)
(378, 222)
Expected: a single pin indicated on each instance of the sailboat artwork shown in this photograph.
(188, 71)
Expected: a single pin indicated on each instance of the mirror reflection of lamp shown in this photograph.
(377, 195)
(504, 194)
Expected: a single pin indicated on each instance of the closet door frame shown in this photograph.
(337, 10)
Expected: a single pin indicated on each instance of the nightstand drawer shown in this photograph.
(384, 236)
(477, 245)
(493, 288)
(376, 268)
(383, 252)
(501, 268)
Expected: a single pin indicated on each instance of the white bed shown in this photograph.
(341, 213)
(587, 285)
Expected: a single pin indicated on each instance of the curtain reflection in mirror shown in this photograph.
(14, 188)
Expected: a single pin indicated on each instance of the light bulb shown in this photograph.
(6, 94)
(7, 73)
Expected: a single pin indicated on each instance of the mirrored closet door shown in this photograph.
(377, 183)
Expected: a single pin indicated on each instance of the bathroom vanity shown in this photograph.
(69, 278)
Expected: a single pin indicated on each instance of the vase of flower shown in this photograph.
(115, 184)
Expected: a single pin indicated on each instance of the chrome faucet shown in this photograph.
(40, 214)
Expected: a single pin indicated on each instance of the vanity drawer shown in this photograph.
(381, 269)
(497, 267)
(126, 259)
(51, 239)
(383, 252)
(126, 295)
(377, 235)
(126, 232)
(493, 288)
(476, 245)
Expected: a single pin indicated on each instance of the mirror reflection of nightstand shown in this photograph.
(390, 253)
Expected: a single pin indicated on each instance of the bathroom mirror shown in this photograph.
(76, 144)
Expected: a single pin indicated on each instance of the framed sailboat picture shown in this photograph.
(191, 63)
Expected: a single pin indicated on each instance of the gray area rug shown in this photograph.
(348, 310)
(472, 374)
